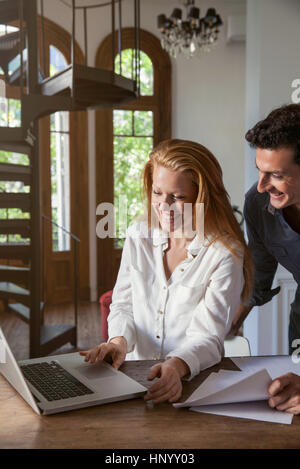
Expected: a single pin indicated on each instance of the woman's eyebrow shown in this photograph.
(173, 192)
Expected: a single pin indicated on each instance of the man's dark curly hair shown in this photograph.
(281, 128)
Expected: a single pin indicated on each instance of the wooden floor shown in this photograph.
(89, 327)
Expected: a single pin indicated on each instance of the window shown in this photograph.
(125, 136)
(5, 29)
(10, 112)
(132, 143)
(60, 164)
(10, 116)
(126, 67)
(60, 180)
(13, 187)
(57, 61)
(10, 109)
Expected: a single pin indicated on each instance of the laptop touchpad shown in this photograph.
(96, 371)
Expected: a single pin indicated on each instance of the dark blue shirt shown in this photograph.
(271, 241)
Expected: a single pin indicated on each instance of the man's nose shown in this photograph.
(263, 184)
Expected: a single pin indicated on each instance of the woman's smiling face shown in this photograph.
(170, 191)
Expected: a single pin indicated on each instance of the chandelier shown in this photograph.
(192, 35)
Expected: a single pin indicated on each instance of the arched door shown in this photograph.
(64, 182)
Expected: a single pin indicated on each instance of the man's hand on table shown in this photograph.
(284, 393)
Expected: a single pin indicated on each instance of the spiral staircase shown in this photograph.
(77, 87)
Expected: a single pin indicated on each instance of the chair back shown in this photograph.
(237, 346)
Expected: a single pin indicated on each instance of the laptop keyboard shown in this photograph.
(53, 381)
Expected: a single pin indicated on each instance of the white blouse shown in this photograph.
(188, 316)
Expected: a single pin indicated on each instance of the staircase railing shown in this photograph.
(76, 242)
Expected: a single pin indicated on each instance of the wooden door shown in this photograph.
(64, 184)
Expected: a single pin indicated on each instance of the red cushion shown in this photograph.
(105, 301)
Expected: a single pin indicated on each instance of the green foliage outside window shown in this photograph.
(59, 131)
(11, 117)
(131, 151)
(10, 112)
(127, 66)
(133, 141)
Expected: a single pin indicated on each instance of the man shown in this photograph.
(272, 215)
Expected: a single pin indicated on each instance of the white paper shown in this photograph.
(243, 394)
(276, 365)
(259, 410)
(228, 387)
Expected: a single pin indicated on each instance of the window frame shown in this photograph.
(159, 103)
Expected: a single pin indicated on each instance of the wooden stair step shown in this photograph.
(9, 49)
(9, 11)
(15, 172)
(15, 200)
(11, 291)
(15, 251)
(55, 336)
(9, 273)
(10, 41)
(22, 311)
(15, 226)
(11, 135)
(94, 88)
(15, 76)
(16, 147)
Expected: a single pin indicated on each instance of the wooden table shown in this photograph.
(136, 424)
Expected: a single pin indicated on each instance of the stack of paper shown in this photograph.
(238, 394)
(276, 365)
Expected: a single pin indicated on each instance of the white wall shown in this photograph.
(208, 93)
(272, 63)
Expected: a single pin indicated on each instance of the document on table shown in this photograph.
(276, 365)
(256, 410)
(238, 394)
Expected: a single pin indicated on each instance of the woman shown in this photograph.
(177, 287)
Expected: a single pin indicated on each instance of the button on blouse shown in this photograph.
(187, 316)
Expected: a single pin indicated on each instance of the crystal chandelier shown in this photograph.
(192, 35)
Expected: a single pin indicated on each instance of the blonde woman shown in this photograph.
(177, 289)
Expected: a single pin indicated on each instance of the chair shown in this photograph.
(237, 346)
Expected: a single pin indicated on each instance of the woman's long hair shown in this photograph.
(206, 173)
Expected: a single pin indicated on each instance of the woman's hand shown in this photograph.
(168, 387)
(285, 393)
(114, 350)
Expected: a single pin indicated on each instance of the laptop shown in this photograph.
(61, 383)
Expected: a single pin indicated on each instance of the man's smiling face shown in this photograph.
(279, 175)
